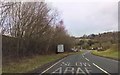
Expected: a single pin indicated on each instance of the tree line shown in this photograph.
(101, 41)
(31, 28)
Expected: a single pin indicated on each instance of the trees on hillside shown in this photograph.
(98, 41)
(34, 26)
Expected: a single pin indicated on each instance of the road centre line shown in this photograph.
(101, 69)
(51, 66)
(83, 55)
(87, 59)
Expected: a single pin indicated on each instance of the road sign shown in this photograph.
(60, 48)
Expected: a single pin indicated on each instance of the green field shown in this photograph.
(30, 64)
(112, 53)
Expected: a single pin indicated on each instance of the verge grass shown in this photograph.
(110, 53)
(29, 64)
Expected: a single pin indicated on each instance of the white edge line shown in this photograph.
(87, 59)
(101, 69)
(51, 66)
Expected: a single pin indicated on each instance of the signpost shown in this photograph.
(60, 48)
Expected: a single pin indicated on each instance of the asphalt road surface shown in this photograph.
(83, 64)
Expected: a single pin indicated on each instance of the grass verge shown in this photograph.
(30, 64)
(110, 53)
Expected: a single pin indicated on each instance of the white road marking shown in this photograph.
(69, 70)
(83, 56)
(101, 69)
(87, 59)
(88, 70)
(79, 64)
(51, 66)
(76, 64)
(86, 52)
(65, 64)
(82, 64)
(59, 70)
(80, 71)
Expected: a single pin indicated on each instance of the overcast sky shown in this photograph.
(88, 16)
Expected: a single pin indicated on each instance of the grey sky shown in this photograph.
(87, 17)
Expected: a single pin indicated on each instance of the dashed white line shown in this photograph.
(76, 63)
(51, 66)
(101, 69)
(87, 59)
(83, 55)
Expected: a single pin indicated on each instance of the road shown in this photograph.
(83, 64)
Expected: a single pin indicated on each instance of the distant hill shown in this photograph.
(101, 40)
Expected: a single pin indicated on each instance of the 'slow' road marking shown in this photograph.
(101, 69)
(87, 59)
(51, 66)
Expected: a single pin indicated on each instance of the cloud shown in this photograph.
(88, 17)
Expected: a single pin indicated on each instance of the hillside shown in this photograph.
(99, 41)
